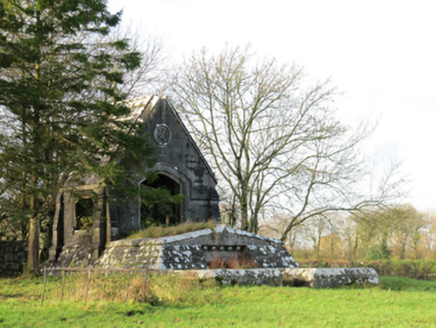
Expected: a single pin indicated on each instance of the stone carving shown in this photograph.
(162, 134)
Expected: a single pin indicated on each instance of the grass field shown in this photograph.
(396, 302)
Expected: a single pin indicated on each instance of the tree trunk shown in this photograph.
(33, 253)
(332, 247)
(244, 210)
(356, 245)
(253, 225)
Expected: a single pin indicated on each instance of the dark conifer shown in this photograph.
(61, 109)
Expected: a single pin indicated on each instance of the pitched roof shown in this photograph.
(142, 106)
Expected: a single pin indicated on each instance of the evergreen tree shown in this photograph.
(61, 108)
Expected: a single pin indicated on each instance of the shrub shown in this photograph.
(416, 269)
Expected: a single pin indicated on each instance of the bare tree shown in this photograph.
(274, 226)
(314, 231)
(274, 141)
(149, 76)
(351, 238)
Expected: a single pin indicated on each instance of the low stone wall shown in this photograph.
(296, 277)
(327, 278)
(13, 256)
(259, 277)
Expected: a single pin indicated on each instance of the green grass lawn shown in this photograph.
(396, 302)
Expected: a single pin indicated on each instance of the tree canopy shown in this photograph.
(272, 138)
(61, 105)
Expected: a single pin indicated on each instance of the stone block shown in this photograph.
(16, 267)
(328, 278)
(271, 277)
(9, 257)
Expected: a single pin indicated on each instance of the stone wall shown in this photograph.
(13, 256)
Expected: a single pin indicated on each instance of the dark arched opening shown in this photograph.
(158, 209)
(84, 214)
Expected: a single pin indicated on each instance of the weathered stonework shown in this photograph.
(195, 250)
(13, 256)
(181, 169)
(327, 278)
(73, 256)
(259, 277)
(294, 277)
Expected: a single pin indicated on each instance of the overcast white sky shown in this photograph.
(380, 54)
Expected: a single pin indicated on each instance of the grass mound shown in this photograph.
(158, 231)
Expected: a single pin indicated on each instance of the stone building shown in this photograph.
(182, 169)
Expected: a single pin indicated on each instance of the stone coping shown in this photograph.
(328, 277)
(190, 235)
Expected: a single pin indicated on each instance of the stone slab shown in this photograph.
(270, 277)
(328, 278)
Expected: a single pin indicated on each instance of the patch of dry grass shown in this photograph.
(238, 261)
(186, 289)
(115, 286)
(156, 232)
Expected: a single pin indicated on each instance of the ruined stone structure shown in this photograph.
(195, 250)
(97, 240)
(182, 169)
(192, 253)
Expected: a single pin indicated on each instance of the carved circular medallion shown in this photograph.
(162, 134)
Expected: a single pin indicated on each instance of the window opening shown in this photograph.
(84, 214)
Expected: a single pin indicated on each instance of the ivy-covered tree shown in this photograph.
(60, 103)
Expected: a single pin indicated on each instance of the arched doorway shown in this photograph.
(161, 210)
